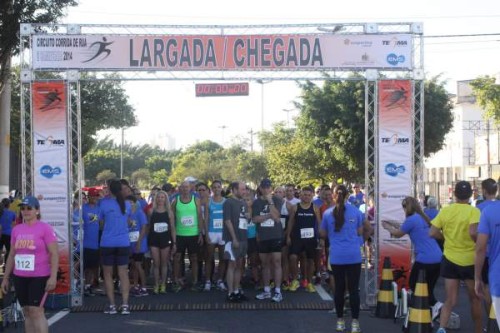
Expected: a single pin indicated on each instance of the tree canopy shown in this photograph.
(487, 93)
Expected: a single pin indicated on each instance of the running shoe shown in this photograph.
(436, 310)
(317, 279)
(208, 286)
(441, 330)
(340, 325)
(176, 287)
(242, 297)
(277, 297)
(124, 309)
(163, 289)
(232, 298)
(294, 285)
(310, 288)
(221, 286)
(263, 295)
(156, 289)
(355, 326)
(136, 292)
(285, 286)
(88, 291)
(144, 292)
(110, 309)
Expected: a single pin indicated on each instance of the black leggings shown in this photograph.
(431, 277)
(341, 274)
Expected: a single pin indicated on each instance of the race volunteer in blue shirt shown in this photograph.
(7, 219)
(489, 234)
(428, 255)
(90, 216)
(343, 224)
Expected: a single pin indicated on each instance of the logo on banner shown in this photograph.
(396, 98)
(386, 195)
(51, 100)
(393, 170)
(361, 43)
(395, 42)
(102, 48)
(394, 59)
(50, 141)
(48, 172)
(395, 140)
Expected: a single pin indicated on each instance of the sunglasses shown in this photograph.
(202, 189)
(26, 208)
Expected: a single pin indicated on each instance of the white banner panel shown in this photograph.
(395, 170)
(50, 160)
(215, 52)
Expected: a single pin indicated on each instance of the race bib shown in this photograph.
(243, 224)
(160, 227)
(267, 223)
(25, 262)
(133, 236)
(187, 221)
(307, 233)
(217, 223)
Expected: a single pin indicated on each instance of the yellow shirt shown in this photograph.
(454, 221)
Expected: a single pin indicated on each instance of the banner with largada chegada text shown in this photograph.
(309, 52)
(395, 171)
(50, 160)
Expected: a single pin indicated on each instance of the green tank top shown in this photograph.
(186, 218)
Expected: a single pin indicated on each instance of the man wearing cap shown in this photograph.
(266, 216)
(452, 224)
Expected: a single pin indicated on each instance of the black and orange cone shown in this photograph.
(492, 326)
(385, 298)
(419, 318)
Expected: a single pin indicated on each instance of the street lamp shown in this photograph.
(262, 83)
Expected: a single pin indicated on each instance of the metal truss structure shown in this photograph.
(370, 76)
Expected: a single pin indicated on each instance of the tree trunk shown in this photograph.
(5, 97)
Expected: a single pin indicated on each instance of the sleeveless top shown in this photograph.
(186, 218)
(305, 223)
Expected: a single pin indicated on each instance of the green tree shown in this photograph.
(141, 178)
(105, 175)
(487, 93)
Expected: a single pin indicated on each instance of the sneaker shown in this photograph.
(285, 286)
(441, 330)
(221, 286)
(232, 298)
(163, 289)
(143, 292)
(278, 297)
(310, 288)
(176, 287)
(355, 326)
(317, 279)
(436, 310)
(136, 292)
(208, 286)
(294, 285)
(156, 290)
(241, 297)
(340, 327)
(88, 291)
(110, 309)
(124, 309)
(263, 295)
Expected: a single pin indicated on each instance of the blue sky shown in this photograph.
(171, 107)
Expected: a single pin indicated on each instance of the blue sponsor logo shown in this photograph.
(48, 172)
(393, 170)
(394, 59)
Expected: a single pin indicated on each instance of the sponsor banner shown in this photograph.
(395, 171)
(215, 52)
(50, 160)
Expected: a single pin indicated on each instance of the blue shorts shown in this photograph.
(111, 256)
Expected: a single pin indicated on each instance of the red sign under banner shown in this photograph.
(222, 89)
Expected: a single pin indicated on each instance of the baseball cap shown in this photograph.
(190, 179)
(93, 192)
(30, 201)
(463, 190)
(265, 183)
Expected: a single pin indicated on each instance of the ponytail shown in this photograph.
(115, 187)
(340, 194)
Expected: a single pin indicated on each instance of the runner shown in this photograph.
(214, 218)
(137, 231)
(279, 192)
(236, 216)
(358, 197)
(343, 224)
(7, 220)
(189, 229)
(90, 216)
(115, 245)
(253, 251)
(302, 237)
(34, 261)
(204, 196)
(428, 255)
(162, 239)
(270, 239)
(452, 223)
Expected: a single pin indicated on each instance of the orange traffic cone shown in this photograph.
(385, 299)
(492, 326)
(419, 319)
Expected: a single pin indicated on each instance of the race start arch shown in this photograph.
(388, 57)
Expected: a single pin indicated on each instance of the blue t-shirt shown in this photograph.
(6, 220)
(142, 202)
(115, 231)
(215, 222)
(431, 212)
(137, 221)
(251, 230)
(345, 244)
(484, 204)
(90, 215)
(317, 202)
(357, 199)
(489, 224)
(427, 250)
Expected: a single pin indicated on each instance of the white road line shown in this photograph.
(58, 316)
(323, 294)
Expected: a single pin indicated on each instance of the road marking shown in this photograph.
(58, 316)
(323, 294)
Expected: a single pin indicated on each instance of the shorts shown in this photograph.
(308, 246)
(270, 246)
(30, 290)
(111, 256)
(188, 242)
(90, 258)
(453, 271)
(486, 268)
(232, 254)
(160, 240)
(137, 257)
(215, 238)
(252, 246)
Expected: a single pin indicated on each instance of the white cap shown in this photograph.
(190, 179)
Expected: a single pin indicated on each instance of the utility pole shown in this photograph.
(5, 96)
(252, 133)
